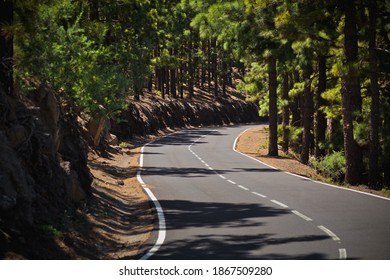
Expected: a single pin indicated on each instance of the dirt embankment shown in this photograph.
(51, 208)
(43, 173)
(153, 113)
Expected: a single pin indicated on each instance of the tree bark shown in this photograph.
(273, 109)
(320, 129)
(307, 118)
(374, 175)
(190, 70)
(6, 49)
(209, 65)
(350, 91)
(286, 113)
(215, 68)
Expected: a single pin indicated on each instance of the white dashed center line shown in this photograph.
(342, 251)
(259, 194)
(306, 218)
(242, 187)
(279, 203)
(330, 233)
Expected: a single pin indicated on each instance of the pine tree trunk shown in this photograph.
(190, 70)
(386, 148)
(273, 109)
(181, 87)
(225, 77)
(203, 69)
(286, 113)
(320, 116)
(374, 175)
(162, 78)
(307, 118)
(6, 49)
(350, 91)
(173, 83)
(167, 82)
(215, 68)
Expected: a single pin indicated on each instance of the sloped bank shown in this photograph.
(153, 114)
(43, 173)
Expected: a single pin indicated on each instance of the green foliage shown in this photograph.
(295, 135)
(50, 231)
(84, 71)
(331, 166)
(333, 109)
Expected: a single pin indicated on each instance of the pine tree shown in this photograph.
(6, 47)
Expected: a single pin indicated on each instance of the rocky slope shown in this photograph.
(43, 170)
(44, 174)
(153, 113)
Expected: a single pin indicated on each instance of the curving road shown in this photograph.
(219, 204)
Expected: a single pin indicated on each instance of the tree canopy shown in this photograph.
(319, 69)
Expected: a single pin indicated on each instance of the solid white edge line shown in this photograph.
(342, 254)
(156, 203)
(161, 226)
(139, 178)
(329, 232)
(325, 184)
(306, 218)
(279, 203)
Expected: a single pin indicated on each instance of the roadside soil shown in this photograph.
(254, 142)
(117, 219)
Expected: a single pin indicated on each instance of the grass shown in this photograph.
(51, 231)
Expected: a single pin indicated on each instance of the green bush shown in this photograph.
(331, 166)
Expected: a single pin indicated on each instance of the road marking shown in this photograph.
(342, 254)
(279, 203)
(161, 226)
(306, 218)
(139, 178)
(305, 178)
(242, 187)
(211, 168)
(231, 182)
(221, 176)
(330, 233)
(157, 205)
(259, 194)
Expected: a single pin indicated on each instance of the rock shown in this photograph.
(17, 135)
(74, 190)
(112, 139)
(45, 98)
(16, 185)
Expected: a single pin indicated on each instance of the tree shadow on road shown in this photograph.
(234, 247)
(230, 231)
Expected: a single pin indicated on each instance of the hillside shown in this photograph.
(56, 204)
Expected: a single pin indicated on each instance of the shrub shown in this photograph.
(331, 166)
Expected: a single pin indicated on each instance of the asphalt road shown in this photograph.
(219, 204)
